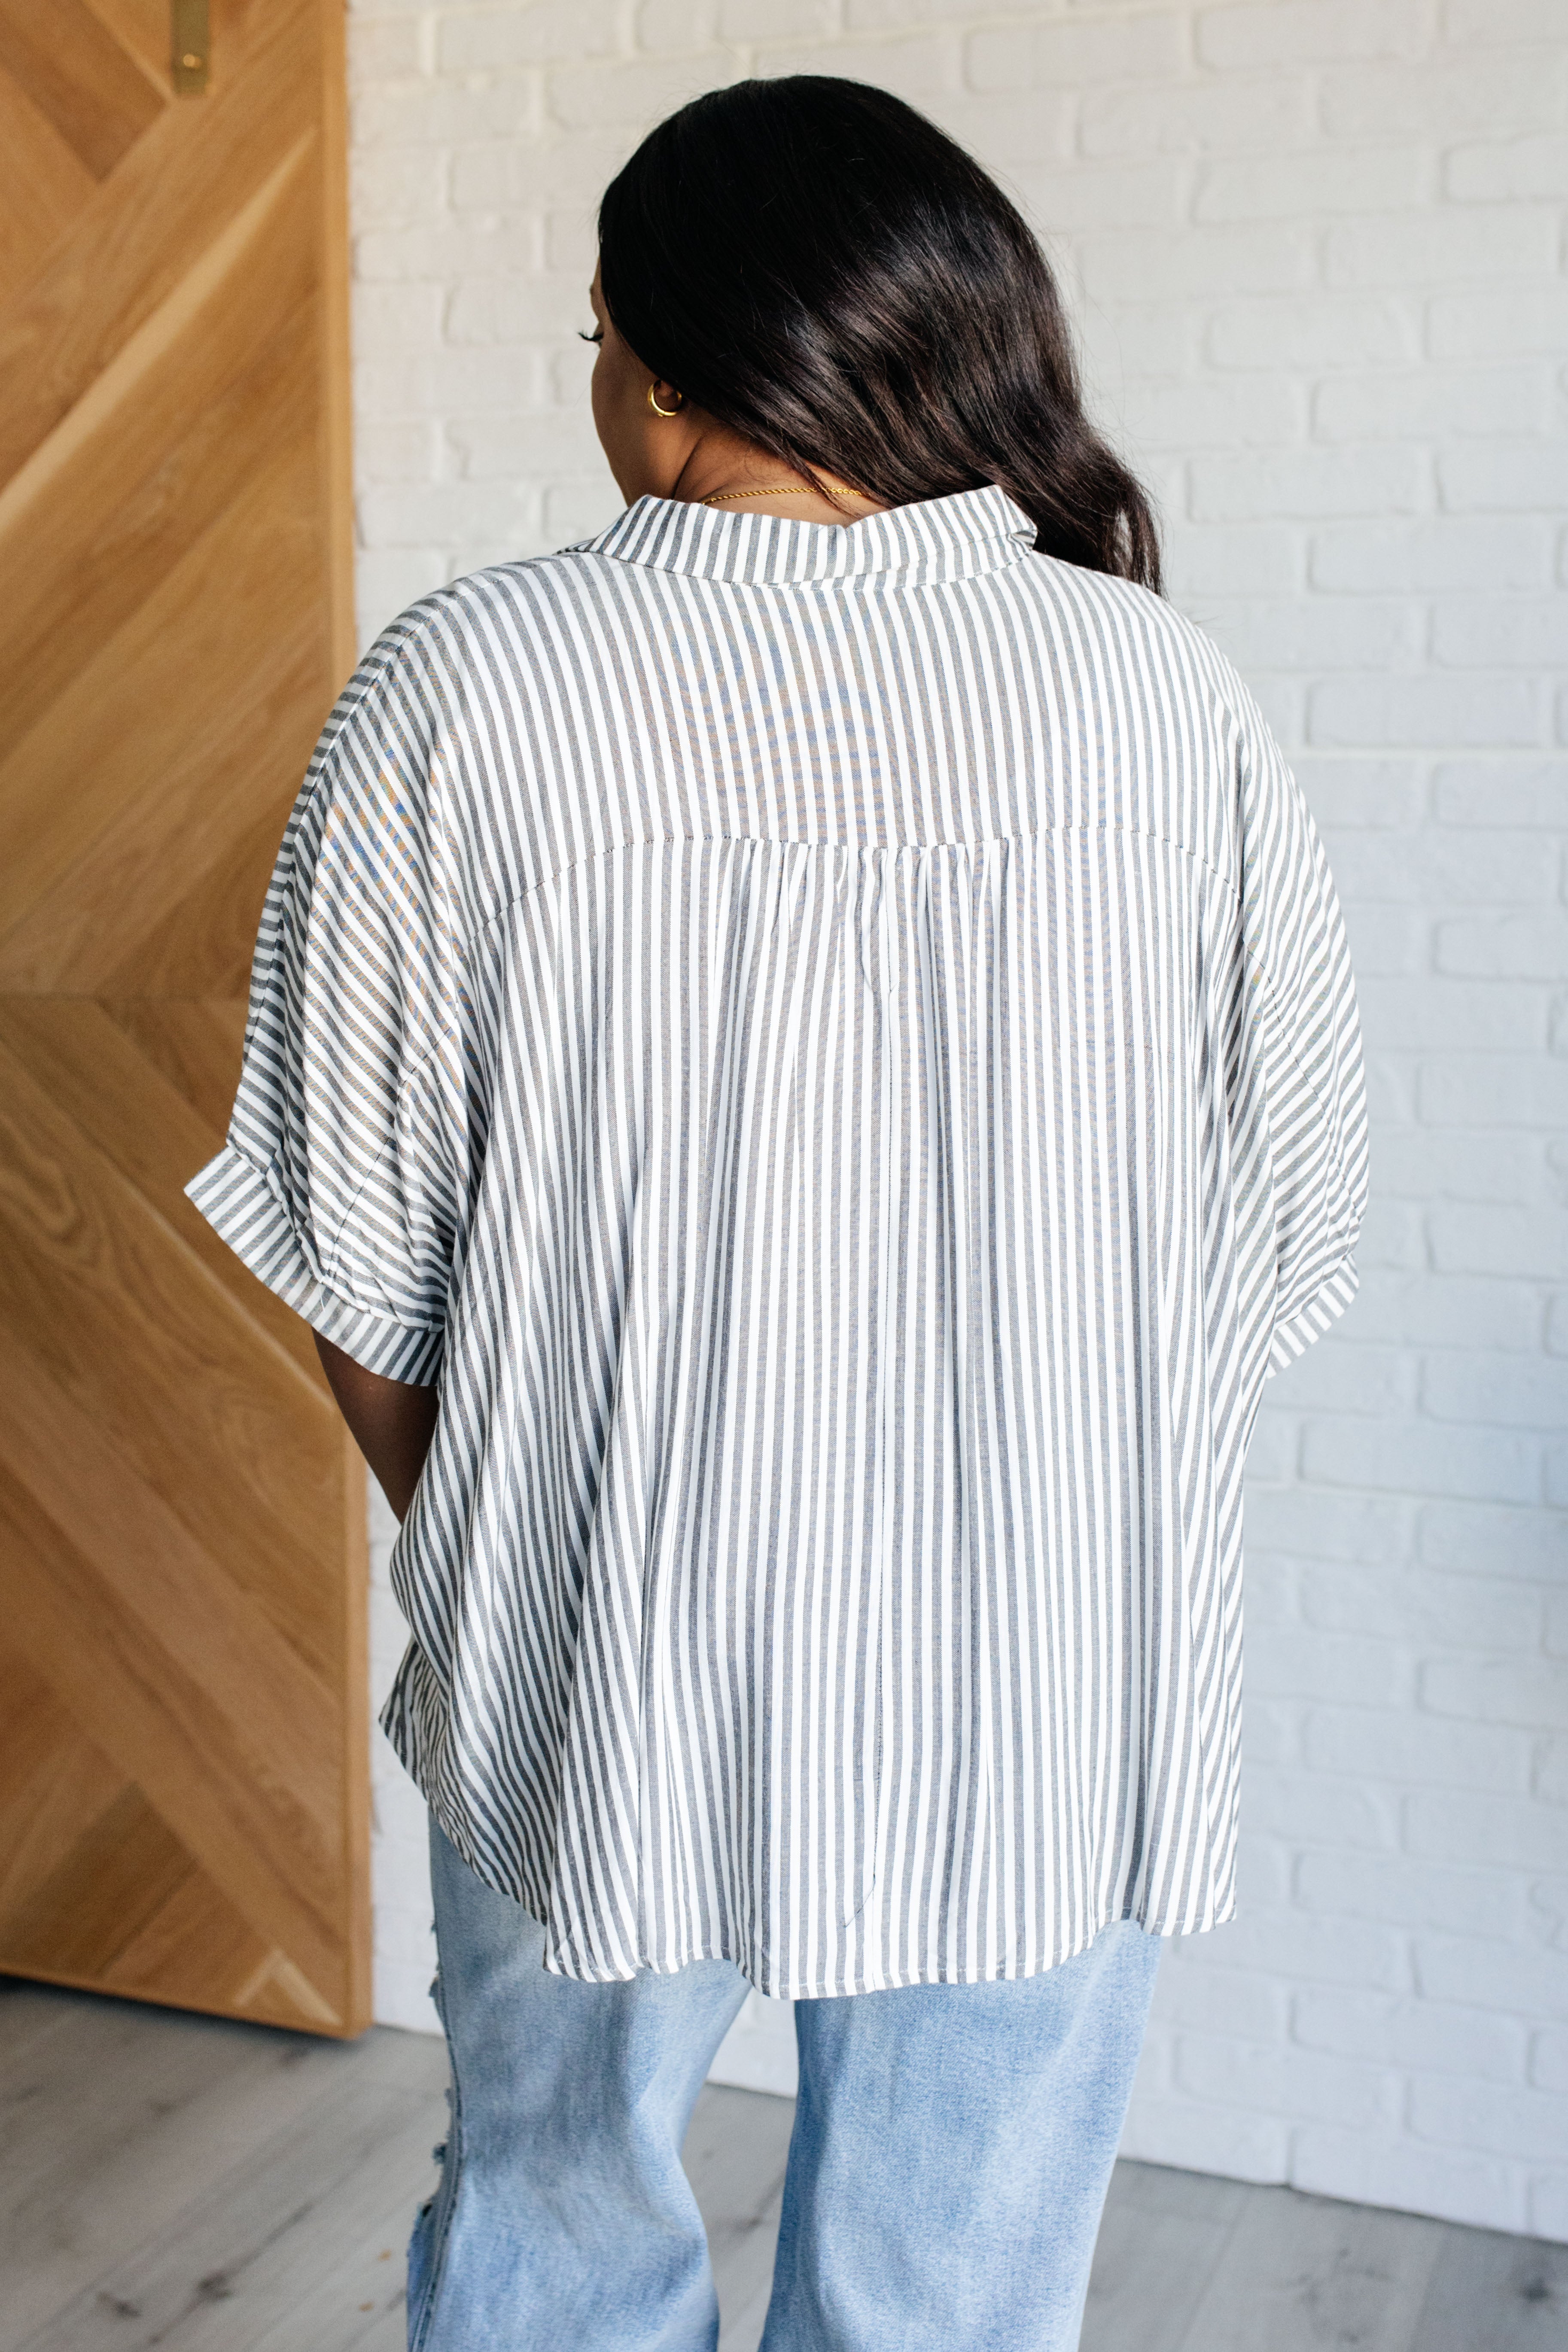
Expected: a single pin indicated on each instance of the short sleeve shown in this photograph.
(341, 1181)
(1304, 1085)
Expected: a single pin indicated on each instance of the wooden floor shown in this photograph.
(205, 2187)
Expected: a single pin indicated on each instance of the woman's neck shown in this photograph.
(743, 479)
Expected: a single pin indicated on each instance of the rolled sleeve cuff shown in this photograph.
(1293, 1336)
(242, 1208)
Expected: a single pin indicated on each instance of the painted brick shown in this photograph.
(1296, 32)
(1404, 1605)
(1289, 1660)
(1417, 1164)
(1312, 633)
(1244, 487)
(1450, 1311)
(1013, 132)
(389, 321)
(1441, 245)
(772, 20)
(400, 451)
(1521, 947)
(516, 309)
(1511, 2123)
(1504, 170)
(1503, 20)
(1501, 1241)
(896, 15)
(1245, 2146)
(1223, 2000)
(1336, 1378)
(1229, 413)
(1459, 551)
(1328, 333)
(1118, 49)
(631, 95)
(1136, 266)
(1376, 2170)
(1206, 564)
(1435, 867)
(1529, 1691)
(1273, 1732)
(1347, 792)
(428, 112)
(389, 188)
(1427, 2036)
(1329, 1951)
(1506, 322)
(1305, 185)
(1447, 1016)
(1499, 632)
(1482, 1090)
(1290, 1801)
(1116, 195)
(1549, 1779)
(536, 35)
(387, 582)
(1388, 1743)
(1471, 1824)
(1549, 2061)
(1444, 98)
(1296, 2083)
(1192, 118)
(1477, 1539)
(675, 25)
(922, 69)
(1386, 940)
(1430, 709)
(1153, 338)
(1546, 2210)
(381, 51)
(423, 514)
(1503, 478)
(421, 251)
(1436, 402)
(1470, 792)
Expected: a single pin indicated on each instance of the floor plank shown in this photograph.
(1507, 2294)
(1161, 2240)
(272, 2230)
(1298, 2273)
(203, 2186)
(115, 2122)
(734, 2156)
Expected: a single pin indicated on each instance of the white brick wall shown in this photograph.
(1316, 252)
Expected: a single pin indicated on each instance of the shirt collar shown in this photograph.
(938, 539)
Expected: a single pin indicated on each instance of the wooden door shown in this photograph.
(182, 1735)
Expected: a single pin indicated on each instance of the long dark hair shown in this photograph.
(825, 271)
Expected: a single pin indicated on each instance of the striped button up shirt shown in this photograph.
(834, 1048)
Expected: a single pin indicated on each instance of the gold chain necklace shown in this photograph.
(783, 490)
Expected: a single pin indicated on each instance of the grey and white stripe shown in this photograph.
(836, 1047)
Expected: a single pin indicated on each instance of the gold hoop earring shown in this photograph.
(653, 401)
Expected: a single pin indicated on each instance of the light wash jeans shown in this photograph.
(951, 2149)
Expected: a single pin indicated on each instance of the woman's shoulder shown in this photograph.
(1122, 620)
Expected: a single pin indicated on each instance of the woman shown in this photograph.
(802, 1068)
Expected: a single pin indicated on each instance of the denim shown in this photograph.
(951, 2149)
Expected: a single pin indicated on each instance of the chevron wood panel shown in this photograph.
(184, 1807)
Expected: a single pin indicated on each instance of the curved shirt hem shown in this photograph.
(398, 1722)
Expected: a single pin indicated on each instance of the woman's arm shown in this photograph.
(390, 1422)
